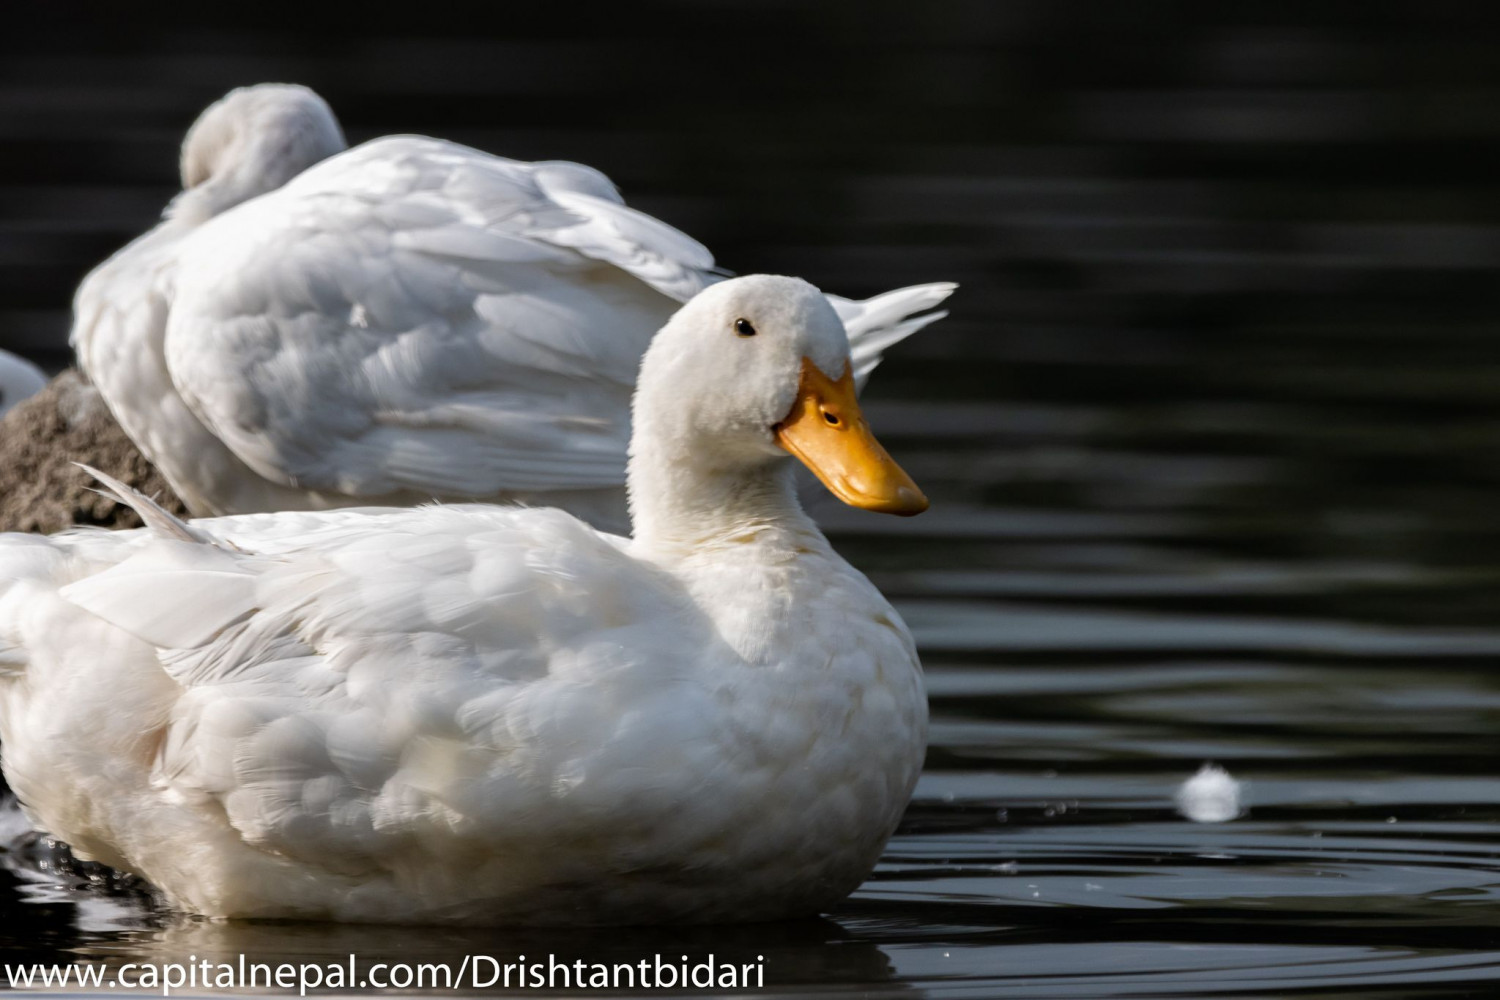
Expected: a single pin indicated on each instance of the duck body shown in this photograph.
(403, 321)
(479, 714)
(413, 723)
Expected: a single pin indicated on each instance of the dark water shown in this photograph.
(1212, 436)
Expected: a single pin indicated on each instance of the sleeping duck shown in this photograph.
(313, 327)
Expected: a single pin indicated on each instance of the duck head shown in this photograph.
(250, 141)
(754, 370)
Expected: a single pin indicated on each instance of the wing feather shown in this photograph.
(418, 316)
(388, 667)
(415, 319)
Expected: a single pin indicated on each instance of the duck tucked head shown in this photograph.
(250, 141)
(749, 372)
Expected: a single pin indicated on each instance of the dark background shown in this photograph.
(1193, 210)
(1212, 434)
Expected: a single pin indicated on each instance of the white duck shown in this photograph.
(19, 379)
(408, 320)
(489, 714)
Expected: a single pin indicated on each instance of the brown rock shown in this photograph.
(40, 490)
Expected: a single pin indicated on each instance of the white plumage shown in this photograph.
(492, 715)
(407, 320)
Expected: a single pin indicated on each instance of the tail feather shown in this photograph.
(156, 517)
(870, 350)
(877, 323)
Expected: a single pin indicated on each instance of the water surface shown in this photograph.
(1212, 439)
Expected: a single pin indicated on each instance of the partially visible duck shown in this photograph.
(19, 379)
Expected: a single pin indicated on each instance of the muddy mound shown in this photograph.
(41, 490)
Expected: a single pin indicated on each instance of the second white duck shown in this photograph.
(408, 320)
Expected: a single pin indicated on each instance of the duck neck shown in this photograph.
(196, 205)
(685, 499)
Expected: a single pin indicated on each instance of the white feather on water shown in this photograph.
(1211, 796)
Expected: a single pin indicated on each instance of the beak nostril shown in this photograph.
(845, 455)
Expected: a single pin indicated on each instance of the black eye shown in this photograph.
(743, 328)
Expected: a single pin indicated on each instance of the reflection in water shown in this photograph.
(1211, 439)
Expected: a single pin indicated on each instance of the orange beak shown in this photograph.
(828, 433)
